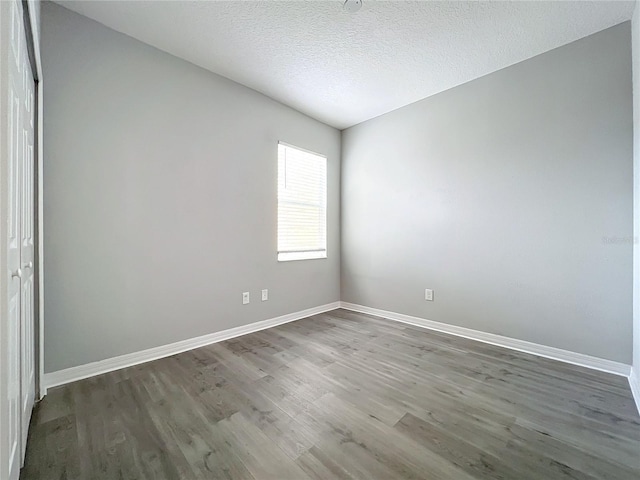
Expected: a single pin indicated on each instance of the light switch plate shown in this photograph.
(245, 298)
(265, 295)
(428, 295)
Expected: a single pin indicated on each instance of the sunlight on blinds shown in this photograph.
(302, 204)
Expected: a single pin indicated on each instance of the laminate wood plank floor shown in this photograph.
(339, 395)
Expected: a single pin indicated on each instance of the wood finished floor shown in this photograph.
(339, 395)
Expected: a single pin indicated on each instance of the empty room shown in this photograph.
(319, 239)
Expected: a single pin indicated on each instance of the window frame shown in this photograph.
(318, 254)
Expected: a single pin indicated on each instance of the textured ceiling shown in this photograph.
(345, 68)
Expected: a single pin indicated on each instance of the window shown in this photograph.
(302, 204)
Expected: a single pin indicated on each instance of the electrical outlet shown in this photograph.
(428, 295)
(265, 295)
(245, 298)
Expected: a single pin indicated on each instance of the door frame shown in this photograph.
(31, 19)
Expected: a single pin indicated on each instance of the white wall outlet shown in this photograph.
(265, 295)
(428, 294)
(245, 298)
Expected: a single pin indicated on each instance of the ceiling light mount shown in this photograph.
(352, 6)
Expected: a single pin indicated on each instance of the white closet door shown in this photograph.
(14, 281)
(20, 354)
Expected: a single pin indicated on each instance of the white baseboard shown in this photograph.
(553, 353)
(80, 372)
(634, 383)
(73, 374)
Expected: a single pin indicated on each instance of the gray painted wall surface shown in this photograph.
(160, 198)
(511, 196)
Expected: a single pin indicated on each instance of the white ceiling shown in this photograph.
(344, 68)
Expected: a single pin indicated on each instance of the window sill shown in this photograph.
(293, 256)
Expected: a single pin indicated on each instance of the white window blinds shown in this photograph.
(302, 204)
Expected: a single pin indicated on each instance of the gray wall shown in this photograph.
(510, 196)
(160, 198)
